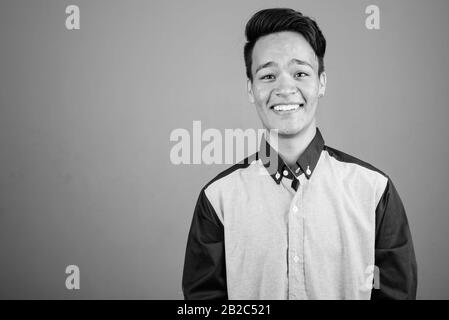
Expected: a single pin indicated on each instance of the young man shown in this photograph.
(323, 224)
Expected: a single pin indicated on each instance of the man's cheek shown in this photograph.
(261, 100)
(264, 95)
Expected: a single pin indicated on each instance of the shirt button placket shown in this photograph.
(296, 262)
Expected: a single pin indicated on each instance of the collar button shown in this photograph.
(308, 171)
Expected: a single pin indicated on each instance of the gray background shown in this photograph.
(86, 115)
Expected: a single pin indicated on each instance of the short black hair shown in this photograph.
(274, 20)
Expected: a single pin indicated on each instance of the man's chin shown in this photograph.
(286, 133)
(289, 131)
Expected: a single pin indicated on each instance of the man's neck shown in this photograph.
(291, 147)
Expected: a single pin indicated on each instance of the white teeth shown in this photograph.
(286, 107)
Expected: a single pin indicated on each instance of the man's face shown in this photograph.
(286, 86)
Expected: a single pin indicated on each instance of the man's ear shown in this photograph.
(250, 91)
(323, 80)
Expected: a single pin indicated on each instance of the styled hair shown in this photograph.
(274, 20)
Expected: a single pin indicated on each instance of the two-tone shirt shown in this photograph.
(329, 227)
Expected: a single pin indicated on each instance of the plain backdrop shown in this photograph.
(86, 117)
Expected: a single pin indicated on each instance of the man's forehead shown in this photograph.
(286, 46)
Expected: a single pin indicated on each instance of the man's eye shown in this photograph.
(267, 77)
(301, 75)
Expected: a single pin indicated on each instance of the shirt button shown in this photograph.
(297, 170)
(295, 209)
(277, 175)
(296, 259)
(285, 173)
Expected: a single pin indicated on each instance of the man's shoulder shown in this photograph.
(243, 164)
(343, 157)
(360, 176)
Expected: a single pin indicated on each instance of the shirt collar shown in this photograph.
(306, 163)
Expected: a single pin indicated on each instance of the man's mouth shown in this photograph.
(286, 108)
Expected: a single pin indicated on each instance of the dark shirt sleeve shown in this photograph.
(394, 253)
(204, 275)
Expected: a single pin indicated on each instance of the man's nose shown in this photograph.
(286, 87)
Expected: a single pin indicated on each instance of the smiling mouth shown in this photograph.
(287, 107)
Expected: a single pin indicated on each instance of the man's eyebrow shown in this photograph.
(266, 65)
(301, 62)
(293, 61)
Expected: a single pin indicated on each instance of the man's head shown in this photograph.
(284, 65)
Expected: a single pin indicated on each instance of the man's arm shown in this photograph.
(394, 253)
(204, 275)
